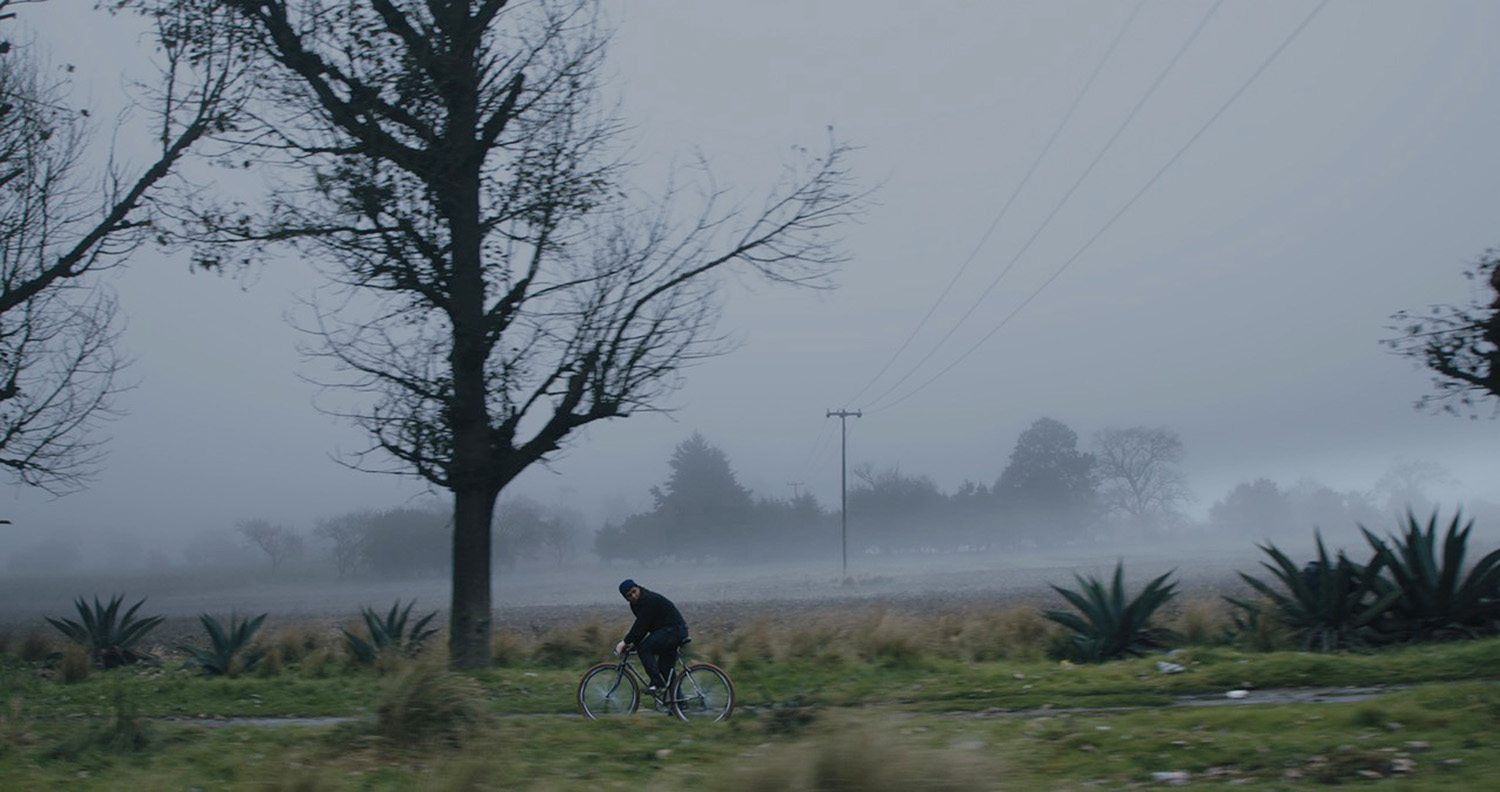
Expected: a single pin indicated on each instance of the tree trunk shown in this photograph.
(469, 627)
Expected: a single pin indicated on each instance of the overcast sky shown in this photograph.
(1224, 264)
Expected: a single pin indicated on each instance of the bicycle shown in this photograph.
(701, 691)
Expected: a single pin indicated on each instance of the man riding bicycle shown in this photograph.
(658, 630)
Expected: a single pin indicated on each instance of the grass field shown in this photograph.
(845, 701)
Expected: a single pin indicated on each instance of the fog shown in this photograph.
(1216, 251)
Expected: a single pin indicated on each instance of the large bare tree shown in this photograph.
(61, 223)
(1139, 474)
(1459, 344)
(498, 283)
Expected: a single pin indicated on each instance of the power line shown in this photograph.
(1057, 208)
(1276, 53)
(1004, 210)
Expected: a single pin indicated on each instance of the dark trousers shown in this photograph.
(658, 652)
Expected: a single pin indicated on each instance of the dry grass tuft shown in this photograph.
(296, 641)
(76, 664)
(35, 647)
(1013, 633)
(1201, 621)
(573, 644)
(753, 643)
(849, 754)
(299, 780)
(511, 647)
(322, 663)
(892, 638)
(423, 703)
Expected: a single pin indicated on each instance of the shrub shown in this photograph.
(1439, 599)
(856, 753)
(297, 641)
(123, 731)
(888, 639)
(568, 646)
(1203, 621)
(35, 647)
(1329, 604)
(389, 633)
(229, 650)
(110, 637)
(73, 664)
(1108, 626)
(423, 703)
(1014, 633)
(753, 643)
(319, 665)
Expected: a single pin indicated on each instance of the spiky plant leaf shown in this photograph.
(226, 646)
(1332, 603)
(1107, 625)
(109, 637)
(1441, 598)
(389, 633)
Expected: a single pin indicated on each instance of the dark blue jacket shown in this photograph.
(652, 612)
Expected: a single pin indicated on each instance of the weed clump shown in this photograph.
(570, 645)
(424, 704)
(291, 644)
(124, 731)
(1202, 621)
(753, 644)
(509, 648)
(840, 756)
(35, 647)
(74, 664)
(889, 639)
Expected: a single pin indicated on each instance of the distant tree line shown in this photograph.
(1052, 493)
(415, 541)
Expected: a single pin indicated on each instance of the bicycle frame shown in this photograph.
(643, 680)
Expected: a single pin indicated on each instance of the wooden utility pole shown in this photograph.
(843, 415)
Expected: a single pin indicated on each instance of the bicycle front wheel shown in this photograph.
(703, 693)
(605, 690)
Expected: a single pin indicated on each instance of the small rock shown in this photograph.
(662, 754)
(1169, 668)
(1171, 777)
(1237, 694)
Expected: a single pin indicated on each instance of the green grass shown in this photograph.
(816, 719)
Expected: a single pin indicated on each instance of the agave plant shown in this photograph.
(1440, 599)
(1107, 625)
(109, 636)
(226, 646)
(389, 633)
(1331, 603)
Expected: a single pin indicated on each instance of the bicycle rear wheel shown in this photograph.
(606, 690)
(703, 693)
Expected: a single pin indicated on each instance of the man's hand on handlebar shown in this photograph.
(620, 648)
